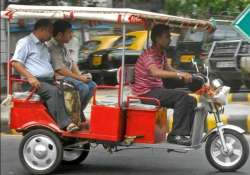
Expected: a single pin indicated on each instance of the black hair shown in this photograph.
(61, 26)
(158, 30)
(42, 23)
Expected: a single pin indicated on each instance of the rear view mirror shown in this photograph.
(207, 72)
(195, 65)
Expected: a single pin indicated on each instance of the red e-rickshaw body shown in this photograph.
(107, 123)
(122, 123)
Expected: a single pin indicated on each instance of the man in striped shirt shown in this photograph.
(150, 68)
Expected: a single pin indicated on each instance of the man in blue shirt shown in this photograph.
(32, 60)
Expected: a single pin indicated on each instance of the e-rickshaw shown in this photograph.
(124, 122)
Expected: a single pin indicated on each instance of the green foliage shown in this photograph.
(205, 8)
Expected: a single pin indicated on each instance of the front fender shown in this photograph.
(29, 125)
(232, 127)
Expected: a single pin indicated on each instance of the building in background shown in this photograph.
(3, 55)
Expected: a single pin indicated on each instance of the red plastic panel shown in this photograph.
(106, 123)
(148, 126)
(24, 112)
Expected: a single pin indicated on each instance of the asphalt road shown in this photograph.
(128, 162)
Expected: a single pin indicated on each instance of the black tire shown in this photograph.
(243, 157)
(45, 139)
(77, 160)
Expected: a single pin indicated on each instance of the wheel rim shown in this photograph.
(230, 158)
(40, 152)
(71, 155)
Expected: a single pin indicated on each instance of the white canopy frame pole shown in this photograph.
(8, 57)
(123, 62)
(148, 35)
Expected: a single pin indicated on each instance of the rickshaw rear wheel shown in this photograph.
(40, 151)
(74, 157)
(234, 158)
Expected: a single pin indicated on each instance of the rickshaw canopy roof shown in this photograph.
(114, 15)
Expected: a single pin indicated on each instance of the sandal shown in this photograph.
(72, 127)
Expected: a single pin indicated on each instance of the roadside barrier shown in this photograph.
(242, 121)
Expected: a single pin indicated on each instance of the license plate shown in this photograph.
(97, 60)
(187, 58)
(228, 64)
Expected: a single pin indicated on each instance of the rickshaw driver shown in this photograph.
(64, 65)
(150, 68)
(32, 60)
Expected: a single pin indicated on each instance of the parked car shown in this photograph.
(244, 65)
(224, 61)
(224, 57)
(95, 44)
(185, 47)
(103, 64)
(189, 48)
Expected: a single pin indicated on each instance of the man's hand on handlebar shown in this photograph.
(33, 81)
(186, 76)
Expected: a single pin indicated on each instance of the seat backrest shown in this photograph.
(129, 74)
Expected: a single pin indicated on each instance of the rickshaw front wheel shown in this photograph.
(235, 156)
(73, 157)
(40, 151)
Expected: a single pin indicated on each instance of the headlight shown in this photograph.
(114, 55)
(216, 84)
(112, 70)
(245, 64)
(221, 95)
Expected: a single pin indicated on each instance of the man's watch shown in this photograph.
(179, 75)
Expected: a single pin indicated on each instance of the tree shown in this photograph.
(205, 9)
